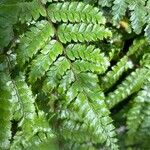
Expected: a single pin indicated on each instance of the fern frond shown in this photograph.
(31, 10)
(138, 15)
(112, 76)
(119, 9)
(87, 58)
(82, 32)
(5, 111)
(75, 12)
(55, 73)
(89, 108)
(25, 98)
(140, 107)
(43, 61)
(131, 84)
(33, 132)
(34, 40)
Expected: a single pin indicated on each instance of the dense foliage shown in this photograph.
(74, 75)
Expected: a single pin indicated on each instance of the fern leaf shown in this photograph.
(82, 32)
(34, 40)
(25, 96)
(31, 10)
(75, 12)
(89, 107)
(138, 15)
(33, 133)
(130, 85)
(55, 73)
(112, 76)
(43, 61)
(140, 107)
(91, 57)
(84, 101)
(5, 111)
(119, 9)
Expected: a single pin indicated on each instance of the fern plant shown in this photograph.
(69, 76)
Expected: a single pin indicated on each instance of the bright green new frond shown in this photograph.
(43, 61)
(112, 76)
(34, 40)
(75, 12)
(130, 85)
(82, 32)
(140, 107)
(5, 111)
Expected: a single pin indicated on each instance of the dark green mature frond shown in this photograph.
(82, 32)
(75, 12)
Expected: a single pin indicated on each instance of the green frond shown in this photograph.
(119, 9)
(145, 61)
(31, 11)
(115, 73)
(34, 40)
(42, 62)
(138, 15)
(88, 106)
(86, 100)
(87, 58)
(5, 111)
(82, 32)
(131, 84)
(55, 73)
(140, 107)
(25, 97)
(33, 132)
(136, 49)
(75, 12)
